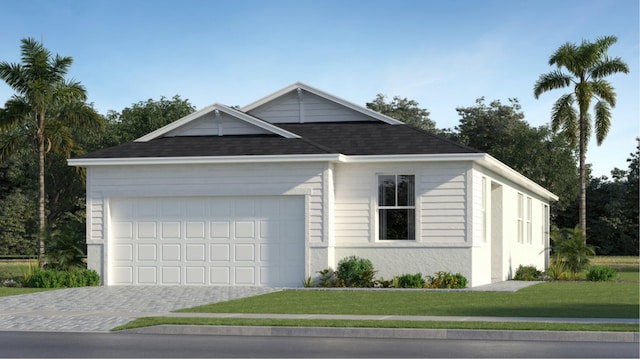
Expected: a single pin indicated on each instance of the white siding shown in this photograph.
(104, 182)
(209, 125)
(529, 251)
(440, 204)
(288, 109)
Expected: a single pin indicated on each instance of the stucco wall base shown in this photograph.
(95, 259)
(390, 262)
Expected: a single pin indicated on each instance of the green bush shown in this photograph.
(601, 274)
(446, 280)
(529, 273)
(328, 278)
(355, 272)
(51, 278)
(410, 281)
(570, 247)
(557, 270)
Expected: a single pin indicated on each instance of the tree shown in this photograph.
(144, 117)
(44, 112)
(587, 65)
(404, 110)
(501, 131)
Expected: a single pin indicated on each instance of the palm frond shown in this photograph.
(564, 116)
(551, 81)
(608, 67)
(604, 91)
(564, 56)
(603, 120)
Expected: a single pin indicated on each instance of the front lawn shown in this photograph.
(551, 299)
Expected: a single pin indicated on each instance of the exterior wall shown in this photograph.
(530, 250)
(104, 182)
(441, 224)
(312, 108)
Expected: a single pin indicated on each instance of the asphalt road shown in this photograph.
(119, 345)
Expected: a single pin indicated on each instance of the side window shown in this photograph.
(520, 215)
(396, 207)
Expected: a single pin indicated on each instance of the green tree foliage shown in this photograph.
(405, 110)
(537, 153)
(43, 113)
(144, 117)
(587, 65)
(612, 218)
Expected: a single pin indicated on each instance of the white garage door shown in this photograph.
(207, 241)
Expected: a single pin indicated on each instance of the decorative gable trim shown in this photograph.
(301, 86)
(221, 108)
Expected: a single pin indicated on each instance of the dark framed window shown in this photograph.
(396, 207)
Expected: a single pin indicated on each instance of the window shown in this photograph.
(529, 214)
(520, 215)
(484, 209)
(545, 224)
(396, 207)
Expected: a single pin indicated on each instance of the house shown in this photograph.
(284, 187)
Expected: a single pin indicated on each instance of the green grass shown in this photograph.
(6, 291)
(151, 321)
(552, 299)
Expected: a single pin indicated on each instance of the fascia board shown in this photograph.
(256, 121)
(173, 125)
(222, 108)
(322, 94)
(87, 162)
(455, 157)
(500, 168)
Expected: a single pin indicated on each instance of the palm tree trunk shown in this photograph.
(41, 194)
(583, 176)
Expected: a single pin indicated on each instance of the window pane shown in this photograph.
(387, 190)
(406, 190)
(397, 224)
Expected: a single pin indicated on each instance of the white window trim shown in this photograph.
(519, 217)
(376, 213)
(529, 215)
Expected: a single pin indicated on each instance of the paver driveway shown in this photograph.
(98, 309)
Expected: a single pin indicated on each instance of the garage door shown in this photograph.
(207, 241)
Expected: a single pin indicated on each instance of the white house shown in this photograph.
(282, 188)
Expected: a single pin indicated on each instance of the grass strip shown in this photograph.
(551, 299)
(7, 291)
(153, 321)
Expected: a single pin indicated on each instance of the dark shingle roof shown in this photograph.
(348, 138)
(374, 138)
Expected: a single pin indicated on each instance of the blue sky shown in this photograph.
(443, 54)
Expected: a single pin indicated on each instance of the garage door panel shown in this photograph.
(147, 275)
(170, 252)
(220, 275)
(207, 241)
(147, 252)
(220, 252)
(195, 230)
(170, 275)
(195, 252)
(195, 275)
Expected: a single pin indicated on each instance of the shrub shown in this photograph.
(355, 272)
(328, 278)
(446, 280)
(63, 252)
(529, 273)
(557, 270)
(570, 246)
(51, 278)
(410, 281)
(601, 274)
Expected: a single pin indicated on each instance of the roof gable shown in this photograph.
(301, 103)
(217, 120)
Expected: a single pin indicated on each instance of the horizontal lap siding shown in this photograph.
(207, 180)
(316, 109)
(442, 190)
(441, 202)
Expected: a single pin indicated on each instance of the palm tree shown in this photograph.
(587, 66)
(44, 112)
